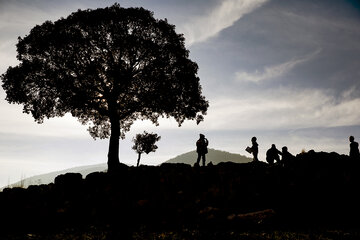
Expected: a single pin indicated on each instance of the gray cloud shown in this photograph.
(200, 28)
(283, 108)
(274, 71)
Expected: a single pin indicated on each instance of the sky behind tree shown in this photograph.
(286, 72)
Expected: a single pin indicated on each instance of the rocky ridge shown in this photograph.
(314, 189)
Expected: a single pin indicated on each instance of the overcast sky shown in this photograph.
(285, 71)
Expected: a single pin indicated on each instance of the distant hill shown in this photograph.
(49, 177)
(214, 156)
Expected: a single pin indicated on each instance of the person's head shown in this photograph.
(273, 146)
(202, 136)
(351, 138)
(284, 149)
(253, 139)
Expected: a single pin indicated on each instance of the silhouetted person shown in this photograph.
(354, 148)
(286, 156)
(255, 149)
(201, 149)
(273, 154)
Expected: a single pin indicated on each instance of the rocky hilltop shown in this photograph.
(312, 190)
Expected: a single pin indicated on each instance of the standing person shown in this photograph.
(255, 149)
(201, 149)
(354, 148)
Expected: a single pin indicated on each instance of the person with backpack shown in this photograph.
(201, 149)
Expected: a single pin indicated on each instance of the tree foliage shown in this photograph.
(107, 67)
(145, 143)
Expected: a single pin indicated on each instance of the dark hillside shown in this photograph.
(315, 190)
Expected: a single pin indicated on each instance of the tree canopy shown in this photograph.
(145, 143)
(107, 67)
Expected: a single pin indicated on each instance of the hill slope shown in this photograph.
(214, 156)
(49, 177)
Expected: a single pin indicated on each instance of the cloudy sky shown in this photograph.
(285, 71)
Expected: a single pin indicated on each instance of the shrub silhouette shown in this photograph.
(107, 67)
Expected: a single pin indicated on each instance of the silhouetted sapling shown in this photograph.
(145, 143)
(107, 67)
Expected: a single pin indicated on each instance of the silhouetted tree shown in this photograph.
(107, 67)
(145, 143)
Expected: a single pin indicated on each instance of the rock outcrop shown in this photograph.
(312, 189)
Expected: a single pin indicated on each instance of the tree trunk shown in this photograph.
(138, 161)
(113, 154)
